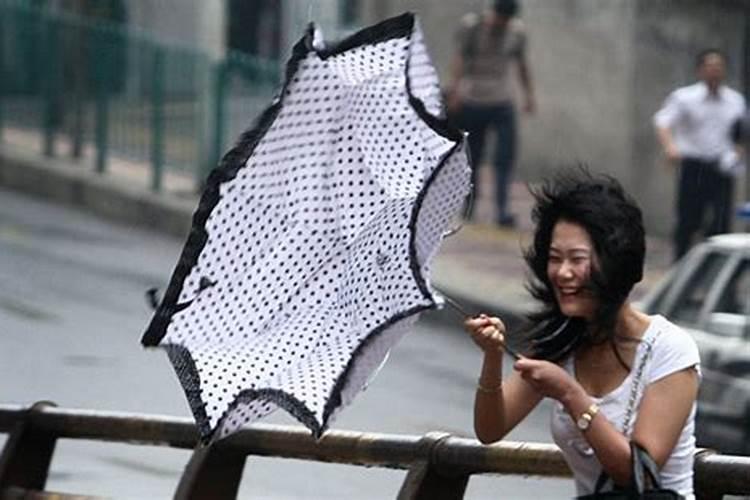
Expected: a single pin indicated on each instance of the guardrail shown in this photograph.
(439, 465)
(132, 100)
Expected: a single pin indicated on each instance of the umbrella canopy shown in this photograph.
(310, 249)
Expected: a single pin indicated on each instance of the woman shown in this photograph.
(615, 373)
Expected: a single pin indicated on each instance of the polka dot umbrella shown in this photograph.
(310, 249)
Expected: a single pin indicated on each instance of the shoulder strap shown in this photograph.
(637, 379)
(601, 481)
(637, 453)
(644, 468)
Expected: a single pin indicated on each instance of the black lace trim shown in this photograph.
(187, 373)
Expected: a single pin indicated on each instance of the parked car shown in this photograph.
(708, 293)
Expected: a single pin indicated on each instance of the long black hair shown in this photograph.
(615, 224)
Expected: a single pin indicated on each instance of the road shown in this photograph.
(72, 311)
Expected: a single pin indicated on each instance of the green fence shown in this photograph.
(108, 96)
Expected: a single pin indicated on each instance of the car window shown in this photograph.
(735, 299)
(732, 312)
(688, 305)
(657, 303)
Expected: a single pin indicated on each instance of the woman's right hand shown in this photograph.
(488, 332)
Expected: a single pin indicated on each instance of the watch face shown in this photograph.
(583, 422)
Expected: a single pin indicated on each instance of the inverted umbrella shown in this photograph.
(310, 248)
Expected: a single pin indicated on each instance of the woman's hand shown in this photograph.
(548, 379)
(487, 332)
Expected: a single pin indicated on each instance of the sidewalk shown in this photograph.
(480, 266)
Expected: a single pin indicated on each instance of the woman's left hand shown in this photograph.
(547, 378)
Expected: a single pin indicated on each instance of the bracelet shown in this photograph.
(489, 390)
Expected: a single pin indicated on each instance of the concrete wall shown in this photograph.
(581, 55)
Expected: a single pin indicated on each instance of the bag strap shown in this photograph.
(601, 481)
(629, 412)
(643, 469)
(643, 466)
(637, 476)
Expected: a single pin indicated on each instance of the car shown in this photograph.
(708, 293)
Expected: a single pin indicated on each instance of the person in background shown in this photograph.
(741, 132)
(694, 128)
(479, 94)
(741, 137)
(614, 373)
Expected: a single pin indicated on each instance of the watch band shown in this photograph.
(584, 421)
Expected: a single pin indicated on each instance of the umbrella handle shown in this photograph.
(457, 307)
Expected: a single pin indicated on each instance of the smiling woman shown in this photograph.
(569, 269)
(589, 227)
(616, 374)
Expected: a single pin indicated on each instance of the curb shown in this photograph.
(72, 184)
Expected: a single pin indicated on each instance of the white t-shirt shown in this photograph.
(701, 124)
(673, 350)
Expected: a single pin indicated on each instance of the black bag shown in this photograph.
(644, 471)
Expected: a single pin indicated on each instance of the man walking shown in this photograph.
(479, 94)
(694, 127)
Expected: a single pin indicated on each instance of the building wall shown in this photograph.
(581, 55)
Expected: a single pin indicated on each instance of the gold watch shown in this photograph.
(584, 421)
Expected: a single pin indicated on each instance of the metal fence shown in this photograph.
(105, 95)
(439, 465)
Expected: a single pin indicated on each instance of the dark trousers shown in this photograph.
(703, 190)
(477, 120)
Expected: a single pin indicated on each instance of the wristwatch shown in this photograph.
(584, 421)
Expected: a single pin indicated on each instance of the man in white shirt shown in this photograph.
(694, 127)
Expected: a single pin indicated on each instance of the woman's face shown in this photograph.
(571, 257)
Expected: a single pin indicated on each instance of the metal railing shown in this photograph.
(103, 93)
(439, 465)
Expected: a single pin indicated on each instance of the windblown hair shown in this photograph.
(615, 224)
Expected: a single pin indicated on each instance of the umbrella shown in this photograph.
(310, 249)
